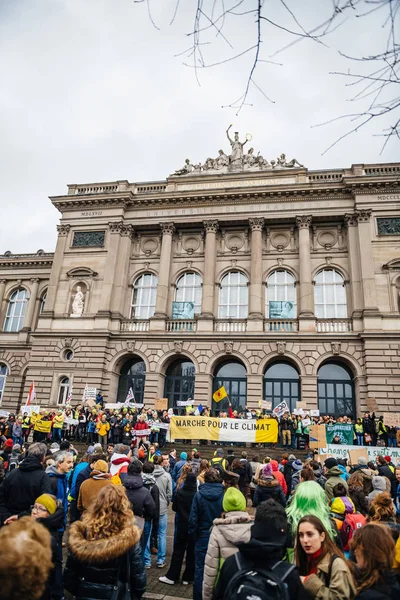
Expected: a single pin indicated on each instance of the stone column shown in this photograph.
(210, 255)
(367, 261)
(255, 296)
(63, 231)
(354, 264)
(164, 270)
(30, 309)
(2, 303)
(306, 300)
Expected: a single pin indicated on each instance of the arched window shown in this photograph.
(233, 296)
(179, 383)
(335, 390)
(232, 375)
(144, 296)
(188, 289)
(280, 297)
(63, 391)
(330, 295)
(133, 375)
(16, 311)
(282, 382)
(42, 303)
(3, 377)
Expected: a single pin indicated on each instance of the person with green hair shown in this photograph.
(310, 499)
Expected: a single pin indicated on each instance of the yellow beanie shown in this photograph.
(48, 502)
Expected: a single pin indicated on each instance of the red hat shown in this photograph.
(387, 458)
(8, 443)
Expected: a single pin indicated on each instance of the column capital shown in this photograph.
(256, 223)
(211, 226)
(304, 221)
(3, 281)
(351, 219)
(363, 216)
(167, 228)
(121, 228)
(35, 280)
(63, 229)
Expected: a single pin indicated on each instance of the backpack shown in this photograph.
(260, 584)
(13, 462)
(350, 524)
(217, 465)
(195, 468)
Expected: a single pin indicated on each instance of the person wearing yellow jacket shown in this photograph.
(102, 429)
(58, 423)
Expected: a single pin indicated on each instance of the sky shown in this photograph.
(98, 90)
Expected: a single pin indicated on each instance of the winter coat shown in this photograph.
(288, 472)
(59, 488)
(268, 488)
(260, 555)
(356, 493)
(254, 467)
(206, 506)
(93, 566)
(164, 484)
(344, 474)
(379, 486)
(333, 477)
(119, 464)
(53, 523)
(387, 589)
(22, 486)
(91, 487)
(17, 430)
(74, 477)
(226, 534)
(386, 471)
(320, 477)
(341, 586)
(182, 505)
(140, 497)
(367, 475)
(279, 476)
(150, 484)
(177, 470)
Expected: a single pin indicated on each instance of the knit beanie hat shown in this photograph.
(48, 502)
(100, 465)
(8, 443)
(361, 460)
(183, 456)
(330, 463)
(267, 470)
(233, 500)
(297, 465)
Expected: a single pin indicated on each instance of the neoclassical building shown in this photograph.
(278, 282)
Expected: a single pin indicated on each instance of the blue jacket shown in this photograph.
(72, 487)
(344, 475)
(397, 501)
(91, 427)
(177, 470)
(59, 487)
(206, 506)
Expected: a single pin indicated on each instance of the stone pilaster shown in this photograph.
(357, 299)
(255, 295)
(367, 260)
(164, 270)
(30, 309)
(210, 254)
(63, 231)
(306, 300)
(2, 303)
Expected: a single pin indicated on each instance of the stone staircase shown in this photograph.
(208, 451)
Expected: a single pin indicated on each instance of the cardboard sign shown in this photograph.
(161, 403)
(355, 454)
(299, 411)
(372, 405)
(90, 403)
(317, 436)
(391, 419)
(30, 409)
(266, 404)
(302, 405)
(306, 422)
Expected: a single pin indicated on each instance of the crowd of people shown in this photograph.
(243, 525)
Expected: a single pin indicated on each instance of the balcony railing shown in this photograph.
(334, 325)
(280, 325)
(181, 325)
(230, 325)
(134, 325)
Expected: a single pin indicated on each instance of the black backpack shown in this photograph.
(217, 465)
(258, 584)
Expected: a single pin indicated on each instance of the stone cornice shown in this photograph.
(23, 263)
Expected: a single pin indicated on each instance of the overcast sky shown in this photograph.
(91, 91)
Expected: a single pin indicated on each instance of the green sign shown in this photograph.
(343, 432)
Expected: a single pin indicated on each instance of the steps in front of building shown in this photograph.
(208, 451)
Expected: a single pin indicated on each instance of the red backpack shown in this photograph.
(350, 524)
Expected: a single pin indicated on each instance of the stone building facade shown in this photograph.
(288, 281)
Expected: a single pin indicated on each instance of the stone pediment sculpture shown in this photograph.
(237, 160)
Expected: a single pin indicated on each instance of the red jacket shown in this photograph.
(279, 476)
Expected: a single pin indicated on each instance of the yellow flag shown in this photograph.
(220, 394)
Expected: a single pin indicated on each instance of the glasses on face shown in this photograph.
(38, 508)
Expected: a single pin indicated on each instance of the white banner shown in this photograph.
(342, 451)
(141, 432)
(160, 426)
(30, 409)
(70, 421)
(184, 403)
(4, 413)
(121, 405)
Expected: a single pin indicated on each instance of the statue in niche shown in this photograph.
(236, 156)
(78, 303)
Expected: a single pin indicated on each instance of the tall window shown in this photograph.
(335, 390)
(3, 377)
(232, 376)
(133, 375)
(188, 289)
(63, 390)
(281, 382)
(42, 303)
(233, 296)
(16, 310)
(179, 383)
(330, 295)
(280, 297)
(144, 296)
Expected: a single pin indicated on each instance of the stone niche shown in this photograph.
(79, 299)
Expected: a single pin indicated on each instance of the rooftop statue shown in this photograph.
(237, 160)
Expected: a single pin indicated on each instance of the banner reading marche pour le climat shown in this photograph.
(224, 430)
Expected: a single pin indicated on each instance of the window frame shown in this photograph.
(230, 287)
(3, 379)
(11, 309)
(291, 398)
(64, 385)
(322, 308)
(137, 295)
(189, 291)
(271, 289)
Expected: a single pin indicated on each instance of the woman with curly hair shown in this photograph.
(356, 492)
(104, 549)
(374, 548)
(383, 511)
(204, 465)
(186, 469)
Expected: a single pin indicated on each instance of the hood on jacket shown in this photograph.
(211, 491)
(159, 471)
(52, 472)
(235, 527)
(275, 466)
(117, 461)
(30, 463)
(99, 475)
(133, 482)
(103, 549)
(268, 482)
(334, 472)
(148, 479)
(257, 550)
(54, 522)
(379, 483)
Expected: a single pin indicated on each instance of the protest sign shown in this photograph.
(281, 409)
(356, 453)
(90, 403)
(339, 451)
(71, 421)
(302, 405)
(299, 412)
(224, 430)
(314, 412)
(89, 393)
(30, 408)
(141, 432)
(391, 419)
(317, 436)
(43, 426)
(372, 404)
(4, 413)
(184, 402)
(306, 422)
(266, 404)
(345, 433)
(161, 404)
(160, 426)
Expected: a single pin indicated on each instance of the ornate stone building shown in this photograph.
(274, 280)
